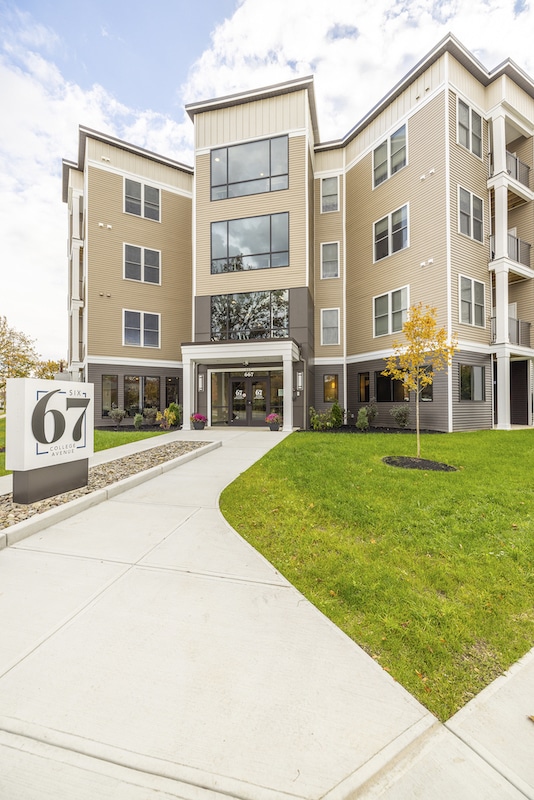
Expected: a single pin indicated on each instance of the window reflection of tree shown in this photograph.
(250, 315)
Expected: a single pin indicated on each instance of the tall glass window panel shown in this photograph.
(250, 315)
(132, 328)
(476, 134)
(250, 243)
(381, 315)
(463, 124)
(330, 326)
(132, 199)
(151, 203)
(329, 194)
(172, 391)
(381, 238)
(151, 330)
(151, 266)
(132, 395)
(380, 158)
(132, 262)
(477, 218)
(110, 393)
(398, 150)
(363, 387)
(151, 391)
(249, 168)
(399, 309)
(399, 229)
(479, 304)
(465, 212)
(330, 388)
(466, 301)
(330, 261)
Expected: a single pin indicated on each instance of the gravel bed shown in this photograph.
(99, 477)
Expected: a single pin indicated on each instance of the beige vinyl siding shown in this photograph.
(137, 167)
(328, 291)
(469, 88)
(329, 160)
(426, 200)
(504, 90)
(470, 415)
(108, 292)
(522, 219)
(522, 293)
(468, 257)
(292, 200)
(269, 116)
(406, 103)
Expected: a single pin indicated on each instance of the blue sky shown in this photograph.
(128, 67)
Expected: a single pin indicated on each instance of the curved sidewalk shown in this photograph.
(148, 652)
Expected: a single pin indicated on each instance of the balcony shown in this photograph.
(516, 169)
(518, 331)
(518, 250)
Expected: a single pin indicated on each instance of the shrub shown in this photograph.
(401, 414)
(150, 415)
(138, 421)
(336, 415)
(117, 415)
(362, 422)
(372, 410)
(175, 414)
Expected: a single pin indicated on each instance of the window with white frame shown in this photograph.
(141, 264)
(389, 157)
(391, 233)
(141, 199)
(330, 326)
(141, 328)
(329, 194)
(390, 311)
(470, 215)
(472, 305)
(330, 260)
(469, 128)
(472, 382)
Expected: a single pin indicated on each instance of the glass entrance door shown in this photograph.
(249, 398)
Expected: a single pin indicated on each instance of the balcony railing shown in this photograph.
(518, 331)
(518, 250)
(516, 169)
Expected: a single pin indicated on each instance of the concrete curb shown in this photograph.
(39, 522)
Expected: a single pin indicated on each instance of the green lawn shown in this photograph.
(102, 440)
(432, 573)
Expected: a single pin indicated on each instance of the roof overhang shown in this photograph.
(238, 352)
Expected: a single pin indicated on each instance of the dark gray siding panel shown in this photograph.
(320, 372)
(469, 415)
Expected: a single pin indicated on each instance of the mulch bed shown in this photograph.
(406, 462)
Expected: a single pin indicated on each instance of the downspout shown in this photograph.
(450, 421)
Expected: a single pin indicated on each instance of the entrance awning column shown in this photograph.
(288, 392)
(189, 389)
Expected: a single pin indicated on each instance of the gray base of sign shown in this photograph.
(38, 484)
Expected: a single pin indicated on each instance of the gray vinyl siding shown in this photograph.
(469, 415)
(433, 414)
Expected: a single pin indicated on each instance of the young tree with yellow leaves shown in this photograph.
(425, 351)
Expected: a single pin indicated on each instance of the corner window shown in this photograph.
(110, 393)
(141, 200)
(250, 243)
(469, 128)
(390, 311)
(141, 329)
(389, 157)
(330, 260)
(329, 195)
(391, 233)
(250, 168)
(330, 388)
(472, 307)
(141, 264)
(389, 390)
(330, 326)
(470, 215)
(472, 382)
(363, 387)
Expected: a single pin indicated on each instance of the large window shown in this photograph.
(472, 382)
(330, 326)
(330, 388)
(249, 168)
(172, 391)
(250, 243)
(469, 128)
(141, 200)
(471, 214)
(390, 311)
(472, 302)
(390, 156)
(363, 387)
(329, 195)
(250, 315)
(141, 329)
(110, 393)
(389, 390)
(141, 264)
(140, 392)
(391, 233)
(330, 260)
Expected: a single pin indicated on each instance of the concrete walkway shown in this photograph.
(148, 653)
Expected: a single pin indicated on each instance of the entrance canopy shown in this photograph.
(241, 353)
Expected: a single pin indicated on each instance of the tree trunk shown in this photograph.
(417, 421)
